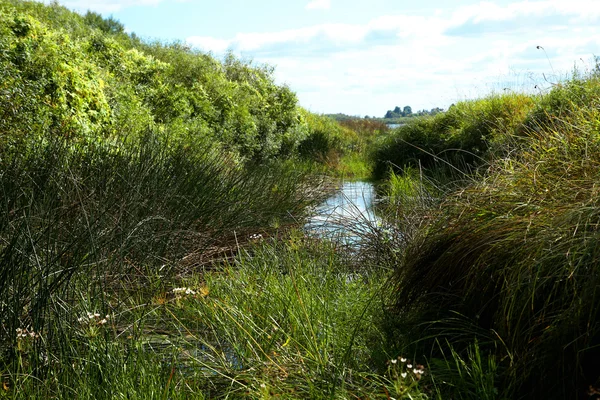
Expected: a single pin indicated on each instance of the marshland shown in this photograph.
(176, 225)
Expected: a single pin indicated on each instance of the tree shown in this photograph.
(407, 111)
(397, 111)
(108, 25)
(389, 114)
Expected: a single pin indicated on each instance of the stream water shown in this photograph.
(347, 215)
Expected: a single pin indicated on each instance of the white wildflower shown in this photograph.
(183, 290)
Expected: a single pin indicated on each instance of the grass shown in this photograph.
(461, 139)
(287, 318)
(161, 264)
(507, 262)
(86, 226)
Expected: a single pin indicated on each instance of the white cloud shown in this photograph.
(319, 5)
(341, 35)
(420, 60)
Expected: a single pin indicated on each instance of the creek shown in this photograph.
(348, 215)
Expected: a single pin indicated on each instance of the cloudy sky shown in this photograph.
(363, 58)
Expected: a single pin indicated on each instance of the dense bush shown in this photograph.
(81, 76)
(326, 139)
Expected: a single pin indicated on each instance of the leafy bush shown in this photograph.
(326, 140)
(82, 76)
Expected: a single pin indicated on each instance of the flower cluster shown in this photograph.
(93, 319)
(255, 236)
(24, 333)
(406, 368)
(183, 291)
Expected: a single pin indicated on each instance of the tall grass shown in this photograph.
(461, 139)
(288, 319)
(510, 259)
(82, 220)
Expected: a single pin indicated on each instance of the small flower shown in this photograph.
(403, 360)
(394, 361)
(409, 366)
(403, 374)
(183, 290)
(24, 333)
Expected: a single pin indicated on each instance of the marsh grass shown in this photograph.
(289, 319)
(514, 254)
(459, 140)
(93, 223)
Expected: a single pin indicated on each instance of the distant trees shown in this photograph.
(407, 111)
(398, 112)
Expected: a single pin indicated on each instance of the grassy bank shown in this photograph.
(502, 272)
(124, 166)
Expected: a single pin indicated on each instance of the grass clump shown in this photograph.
(462, 138)
(510, 259)
(85, 226)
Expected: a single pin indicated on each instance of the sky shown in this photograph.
(365, 57)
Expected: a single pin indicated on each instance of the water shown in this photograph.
(348, 215)
(394, 126)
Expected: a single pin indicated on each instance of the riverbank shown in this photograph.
(500, 274)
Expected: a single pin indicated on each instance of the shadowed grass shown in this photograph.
(81, 221)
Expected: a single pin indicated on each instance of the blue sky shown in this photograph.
(363, 58)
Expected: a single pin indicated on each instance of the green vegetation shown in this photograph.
(460, 139)
(500, 275)
(125, 166)
(149, 245)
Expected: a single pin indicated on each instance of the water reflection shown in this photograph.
(348, 215)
